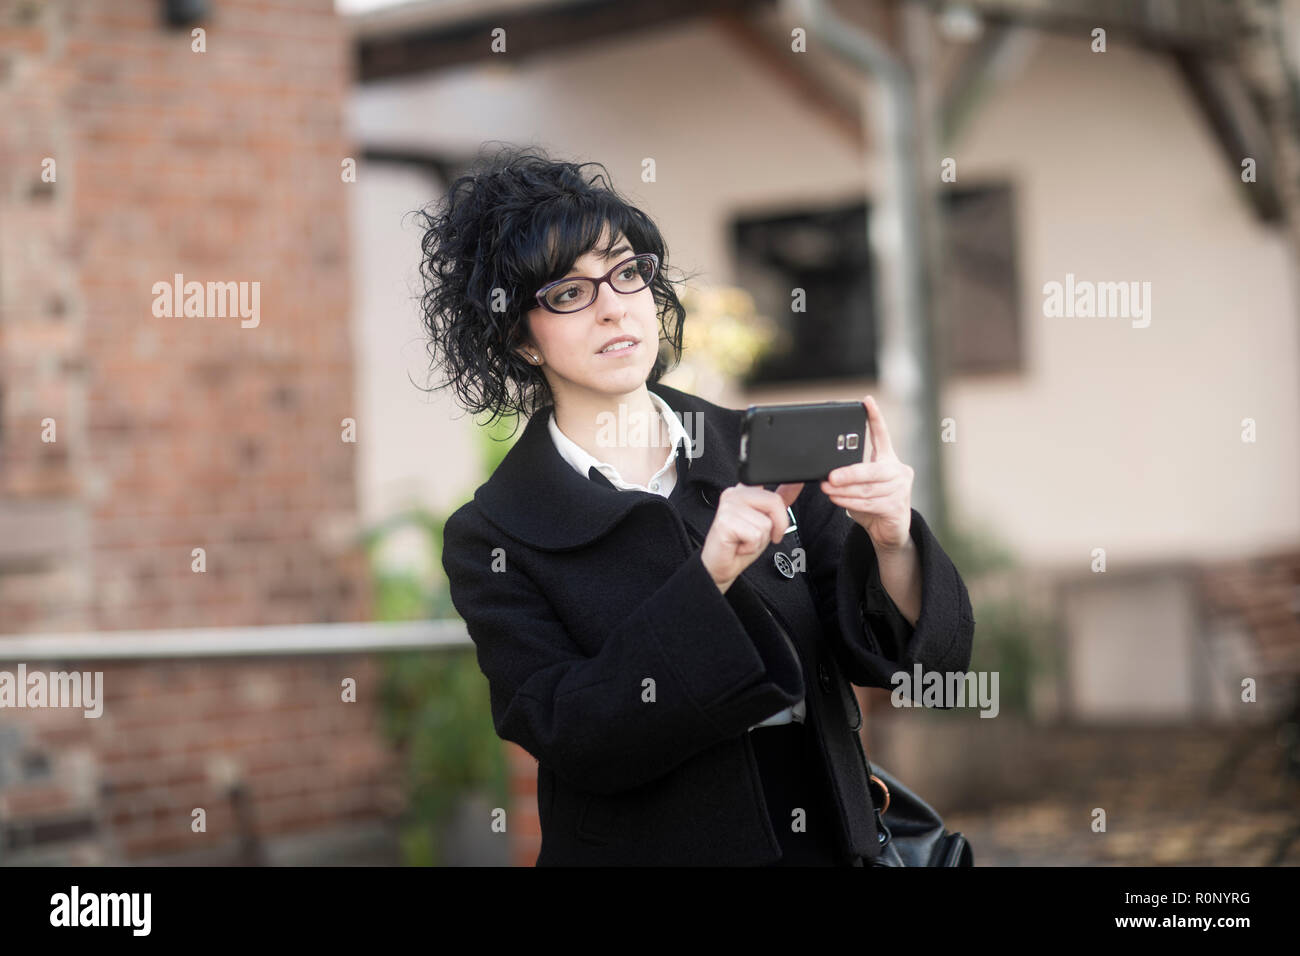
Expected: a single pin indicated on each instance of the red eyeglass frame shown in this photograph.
(541, 293)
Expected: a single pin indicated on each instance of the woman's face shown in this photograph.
(570, 345)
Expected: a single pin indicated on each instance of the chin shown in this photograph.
(622, 385)
(620, 380)
(625, 373)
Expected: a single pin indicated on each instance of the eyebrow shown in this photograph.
(622, 247)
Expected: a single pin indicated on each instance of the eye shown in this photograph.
(630, 271)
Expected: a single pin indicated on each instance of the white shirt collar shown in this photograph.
(661, 483)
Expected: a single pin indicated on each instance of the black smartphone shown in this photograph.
(803, 442)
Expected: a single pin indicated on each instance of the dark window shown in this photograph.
(978, 302)
(824, 253)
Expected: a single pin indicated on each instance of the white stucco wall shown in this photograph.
(1121, 437)
(1111, 436)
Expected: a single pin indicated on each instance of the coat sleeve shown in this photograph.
(585, 717)
(869, 635)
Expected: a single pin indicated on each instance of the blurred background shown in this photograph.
(239, 524)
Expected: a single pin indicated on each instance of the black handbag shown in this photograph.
(913, 834)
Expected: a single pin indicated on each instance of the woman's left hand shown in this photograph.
(878, 493)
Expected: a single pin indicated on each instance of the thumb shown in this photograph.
(789, 492)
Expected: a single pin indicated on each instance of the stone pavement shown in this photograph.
(1056, 832)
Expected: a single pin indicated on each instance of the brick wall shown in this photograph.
(525, 826)
(179, 433)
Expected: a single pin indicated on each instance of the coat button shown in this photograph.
(823, 677)
(783, 564)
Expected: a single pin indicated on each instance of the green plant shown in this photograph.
(436, 711)
(1010, 636)
(435, 707)
(1006, 642)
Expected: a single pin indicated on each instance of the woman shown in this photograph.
(684, 690)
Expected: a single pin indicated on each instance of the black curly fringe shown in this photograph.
(513, 223)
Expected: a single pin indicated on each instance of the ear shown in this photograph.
(530, 354)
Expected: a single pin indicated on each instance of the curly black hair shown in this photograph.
(514, 222)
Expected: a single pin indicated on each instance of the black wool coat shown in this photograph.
(613, 658)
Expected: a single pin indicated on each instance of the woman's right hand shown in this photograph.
(748, 517)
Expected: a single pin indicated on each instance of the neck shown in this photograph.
(627, 431)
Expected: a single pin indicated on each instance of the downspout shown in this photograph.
(897, 238)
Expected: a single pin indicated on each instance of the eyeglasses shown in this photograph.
(577, 292)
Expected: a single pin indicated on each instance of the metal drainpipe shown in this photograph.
(897, 241)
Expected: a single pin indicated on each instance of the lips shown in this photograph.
(618, 345)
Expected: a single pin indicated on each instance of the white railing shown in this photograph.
(342, 638)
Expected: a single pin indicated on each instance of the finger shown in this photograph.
(863, 472)
(881, 444)
(858, 503)
(858, 506)
(744, 494)
(789, 492)
(754, 523)
(754, 496)
(750, 528)
(870, 506)
(869, 489)
(769, 503)
(772, 506)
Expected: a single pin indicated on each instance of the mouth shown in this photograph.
(623, 345)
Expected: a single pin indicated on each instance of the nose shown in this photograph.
(610, 305)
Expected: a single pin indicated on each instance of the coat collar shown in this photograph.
(538, 498)
(583, 461)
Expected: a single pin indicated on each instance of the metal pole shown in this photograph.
(896, 236)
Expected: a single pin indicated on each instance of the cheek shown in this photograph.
(647, 310)
(543, 331)
(560, 341)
